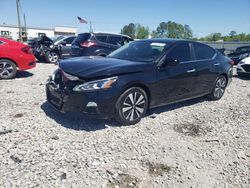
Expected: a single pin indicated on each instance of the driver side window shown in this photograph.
(180, 52)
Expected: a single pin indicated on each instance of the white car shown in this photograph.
(243, 67)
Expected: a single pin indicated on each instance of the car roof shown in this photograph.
(106, 33)
(164, 40)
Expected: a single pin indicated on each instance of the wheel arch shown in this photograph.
(226, 76)
(142, 86)
(2, 58)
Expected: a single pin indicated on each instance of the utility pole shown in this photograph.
(18, 19)
(25, 27)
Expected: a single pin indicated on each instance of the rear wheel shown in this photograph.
(131, 106)
(8, 69)
(51, 57)
(219, 88)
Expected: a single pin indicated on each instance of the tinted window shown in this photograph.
(101, 38)
(69, 40)
(82, 37)
(1, 42)
(243, 49)
(116, 40)
(203, 52)
(181, 52)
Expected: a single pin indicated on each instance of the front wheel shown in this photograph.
(131, 106)
(8, 69)
(51, 57)
(219, 88)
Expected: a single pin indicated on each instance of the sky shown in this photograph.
(203, 16)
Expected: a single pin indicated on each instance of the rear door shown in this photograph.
(66, 46)
(207, 67)
(115, 42)
(177, 82)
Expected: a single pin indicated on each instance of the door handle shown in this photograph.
(216, 64)
(191, 70)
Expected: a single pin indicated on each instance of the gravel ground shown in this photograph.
(197, 143)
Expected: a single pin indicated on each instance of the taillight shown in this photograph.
(88, 44)
(231, 62)
(27, 49)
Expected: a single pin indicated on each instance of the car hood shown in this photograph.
(91, 67)
(245, 61)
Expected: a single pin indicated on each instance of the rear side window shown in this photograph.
(180, 52)
(243, 49)
(1, 42)
(82, 37)
(202, 51)
(102, 38)
(116, 40)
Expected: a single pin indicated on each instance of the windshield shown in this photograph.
(57, 38)
(144, 51)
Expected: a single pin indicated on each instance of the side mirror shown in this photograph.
(63, 43)
(170, 62)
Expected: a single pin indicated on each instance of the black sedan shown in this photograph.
(138, 76)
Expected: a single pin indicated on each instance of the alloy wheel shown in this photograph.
(220, 87)
(6, 69)
(133, 106)
(53, 57)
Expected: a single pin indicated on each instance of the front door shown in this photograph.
(177, 82)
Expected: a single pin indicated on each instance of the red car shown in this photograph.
(14, 56)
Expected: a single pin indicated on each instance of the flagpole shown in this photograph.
(90, 27)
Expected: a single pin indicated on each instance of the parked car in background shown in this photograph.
(97, 44)
(14, 56)
(243, 67)
(140, 75)
(44, 49)
(63, 43)
(239, 54)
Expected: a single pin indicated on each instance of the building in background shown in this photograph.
(10, 31)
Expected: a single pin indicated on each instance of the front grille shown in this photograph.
(246, 68)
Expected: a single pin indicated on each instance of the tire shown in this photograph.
(131, 106)
(8, 69)
(219, 88)
(51, 57)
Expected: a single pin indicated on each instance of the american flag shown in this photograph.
(81, 20)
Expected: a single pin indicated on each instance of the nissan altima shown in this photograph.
(140, 75)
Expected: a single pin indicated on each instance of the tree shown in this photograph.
(172, 30)
(232, 33)
(136, 31)
(188, 33)
(161, 31)
(129, 30)
(142, 32)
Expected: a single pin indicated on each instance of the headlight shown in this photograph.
(95, 85)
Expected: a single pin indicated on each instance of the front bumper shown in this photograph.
(98, 104)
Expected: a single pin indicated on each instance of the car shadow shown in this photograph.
(80, 122)
(76, 121)
(175, 106)
(23, 74)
